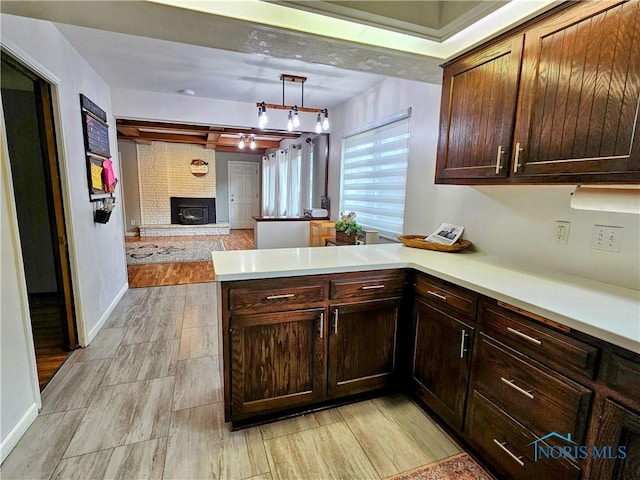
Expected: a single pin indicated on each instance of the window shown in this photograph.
(374, 174)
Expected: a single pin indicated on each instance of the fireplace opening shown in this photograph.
(193, 211)
(193, 215)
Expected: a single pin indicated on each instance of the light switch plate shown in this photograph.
(606, 237)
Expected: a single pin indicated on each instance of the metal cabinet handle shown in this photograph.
(335, 321)
(516, 165)
(463, 337)
(524, 335)
(508, 452)
(372, 287)
(499, 159)
(436, 294)
(321, 324)
(512, 384)
(286, 295)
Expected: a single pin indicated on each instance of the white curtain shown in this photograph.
(281, 183)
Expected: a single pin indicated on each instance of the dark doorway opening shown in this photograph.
(31, 141)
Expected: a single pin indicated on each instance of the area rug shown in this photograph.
(171, 251)
(458, 467)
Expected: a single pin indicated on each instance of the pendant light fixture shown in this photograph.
(241, 142)
(293, 119)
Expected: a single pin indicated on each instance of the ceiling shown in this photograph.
(237, 50)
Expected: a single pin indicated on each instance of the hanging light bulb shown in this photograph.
(325, 121)
(252, 145)
(296, 118)
(290, 122)
(241, 142)
(319, 124)
(262, 116)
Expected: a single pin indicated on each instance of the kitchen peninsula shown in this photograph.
(304, 328)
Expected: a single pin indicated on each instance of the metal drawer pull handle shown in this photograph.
(508, 452)
(462, 339)
(500, 153)
(511, 383)
(436, 294)
(286, 295)
(524, 335)
(372, 287)
(515, 161)
(321, 324)
(335, 321)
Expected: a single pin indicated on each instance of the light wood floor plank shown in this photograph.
(123, 414)
(322, 453)
(40, 449)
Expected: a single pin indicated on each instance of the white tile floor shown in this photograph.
(144, 401)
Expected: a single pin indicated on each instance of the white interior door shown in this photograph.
(244, 192)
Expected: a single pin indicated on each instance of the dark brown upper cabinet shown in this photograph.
(578, 90)
(478, 109)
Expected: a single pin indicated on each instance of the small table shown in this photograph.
(319, 231)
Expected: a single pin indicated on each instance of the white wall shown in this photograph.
(96, 251)
(129, 184)
(513, 224)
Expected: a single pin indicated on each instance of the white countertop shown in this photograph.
(599, 309)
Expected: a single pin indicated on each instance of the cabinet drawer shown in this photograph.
(444, 293)
(552, 348)
(542, 401)
(276, 296)
(623, 375)
(379, 286)
(506, 445)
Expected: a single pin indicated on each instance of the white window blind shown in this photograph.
(374, 175)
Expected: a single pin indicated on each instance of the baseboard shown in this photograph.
(18, 431)
(131, 234)
(94, 331)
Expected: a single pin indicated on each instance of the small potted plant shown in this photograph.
(347, 229)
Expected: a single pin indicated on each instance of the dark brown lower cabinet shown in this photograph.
(508, 446)
(441, 361)
(277, 360)
(362, 346)
(619, 429)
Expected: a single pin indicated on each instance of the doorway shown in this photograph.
(243, 194)
(31, 141)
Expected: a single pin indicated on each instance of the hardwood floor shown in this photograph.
(48, 336)
(159, 274)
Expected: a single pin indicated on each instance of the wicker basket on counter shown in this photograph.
(344, 238)
(418, 241)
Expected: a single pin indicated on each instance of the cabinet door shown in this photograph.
(278, 361)
(619, 427)
(441, 362)
(362, 346)
(477, 113)
(579, 95)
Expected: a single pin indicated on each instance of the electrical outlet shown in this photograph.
(133, 223)
(562, 232)
(606, 237)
